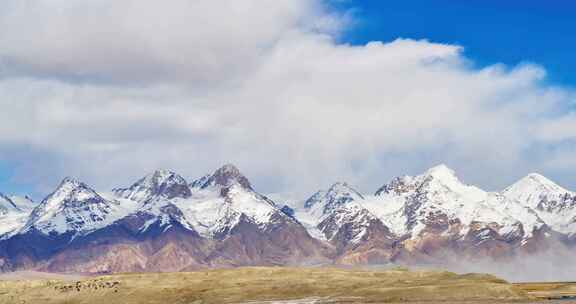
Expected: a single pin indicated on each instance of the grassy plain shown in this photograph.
(550, 290)
(266, 285)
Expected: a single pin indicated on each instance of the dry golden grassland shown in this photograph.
(550, 290)
(263, 285)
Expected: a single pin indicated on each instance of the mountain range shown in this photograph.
(163, 222)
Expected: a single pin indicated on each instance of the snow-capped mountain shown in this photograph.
(424, 213)
(438, 198)
(338, 216)
(326, 211)
(155, 196)
(163, 222)
(226, 177)
(223, 199)
(73, 208)
(223, 207)
(324, 202)
(212, 205)
(436, 212)
(554, 204)
(161, 184)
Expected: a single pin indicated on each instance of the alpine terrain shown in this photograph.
(164, 222)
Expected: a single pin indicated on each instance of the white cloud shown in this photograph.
(559, 128)
(190, 85)
(192, 41)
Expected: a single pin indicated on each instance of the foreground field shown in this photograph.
(265, 285)
(550, 290)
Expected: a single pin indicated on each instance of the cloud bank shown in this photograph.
(109, 90)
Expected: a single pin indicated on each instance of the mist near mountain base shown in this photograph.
(553, 265)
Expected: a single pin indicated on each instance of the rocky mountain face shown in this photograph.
(356, 234)
(162, 222)
(161, 184)
(440, 215)
(434, 217)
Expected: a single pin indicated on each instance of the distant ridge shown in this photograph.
(163, 222)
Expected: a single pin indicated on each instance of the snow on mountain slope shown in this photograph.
(12, 222)
(409, 204)
(23, 203)
(7, 205)
(533, 188)
(352, 214)
(211, 213)
(74, 208)
(390, 210)
(554, 204)
(411, 219)
(161, 184)
(211, 205)
(326, 212)
(309, 222)
(217, 204)
(324, 202)
(154, 195)
(225, 177)
(198, 183)
(13, 215)
(440, 182)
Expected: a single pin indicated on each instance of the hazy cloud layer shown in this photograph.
(108, 90)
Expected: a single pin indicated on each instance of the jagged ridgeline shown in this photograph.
(162, 222)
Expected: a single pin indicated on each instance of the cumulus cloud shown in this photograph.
(108, 90)
(192, 41)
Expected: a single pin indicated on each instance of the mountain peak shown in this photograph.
(339, 185)
(72, 181)
(227, 176)
(71, 184)
(544, 196)
(73, 206)
(398, 185)
(160, 173)
(340, 189)
(161, 176)
(441, 172)
(229, 169)
(69, 190)
(540, 179)
(337, 195)
(160, 183)
(535, 182)
(438, 179)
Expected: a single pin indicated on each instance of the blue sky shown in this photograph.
(109, 90)
(7, 183)
(5, 172)
(491, 31)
